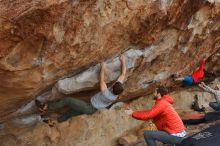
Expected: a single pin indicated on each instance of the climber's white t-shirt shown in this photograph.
(104, 99)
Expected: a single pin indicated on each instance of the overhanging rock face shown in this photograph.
(89, 78)
(41, 42)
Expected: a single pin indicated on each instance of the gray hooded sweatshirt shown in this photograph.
(215, 92)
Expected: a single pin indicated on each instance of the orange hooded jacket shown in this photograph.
(163, 115)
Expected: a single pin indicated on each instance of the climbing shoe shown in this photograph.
(48, 121)
(42, 107)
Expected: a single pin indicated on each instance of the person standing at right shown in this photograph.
(215, 92)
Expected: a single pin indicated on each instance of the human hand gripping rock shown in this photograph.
(102, 65)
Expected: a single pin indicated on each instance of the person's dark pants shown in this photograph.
(152, 136)
(215, 106)
(77, 107)
(194, 121)
(212, 116)
(209, 117)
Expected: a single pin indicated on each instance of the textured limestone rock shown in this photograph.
(43, 43)
(127, 140)
(25, 55)
(63, 38)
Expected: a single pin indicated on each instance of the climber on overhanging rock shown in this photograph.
(169, 124)
(101, 100)
(192, 79)
(216, 92)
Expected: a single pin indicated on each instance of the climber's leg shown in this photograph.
(73, 103)
(152, 136)
(215, 106)
(55, 105)
(70, 113)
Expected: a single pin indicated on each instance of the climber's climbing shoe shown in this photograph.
(48, 121)
(42, 107)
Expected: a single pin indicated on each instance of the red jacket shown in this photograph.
(163, 114)
(198, 74)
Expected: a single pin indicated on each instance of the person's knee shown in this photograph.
(211, 104)
(147, 134)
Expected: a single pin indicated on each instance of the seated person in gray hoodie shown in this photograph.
(215, 92)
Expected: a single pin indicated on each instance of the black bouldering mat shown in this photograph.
(207, 137)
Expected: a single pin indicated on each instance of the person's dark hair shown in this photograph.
(162, 90)
(117, 88)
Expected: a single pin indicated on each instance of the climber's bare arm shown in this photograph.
(201, 86)
(123, 69)
(102, 83)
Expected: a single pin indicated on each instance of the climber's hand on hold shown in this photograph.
(122, 58)
(121, 78)
(102, 83)
(129, 112)
(102, 65)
